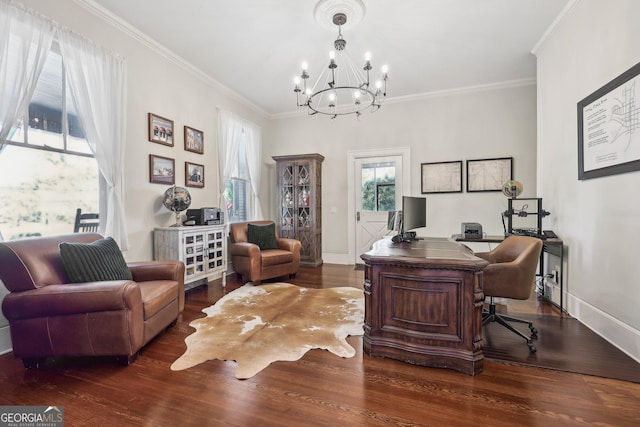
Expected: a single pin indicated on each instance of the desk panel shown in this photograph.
(423, 304)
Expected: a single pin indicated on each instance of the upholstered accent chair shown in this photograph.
(51, 317)
(511, 273)
(257, 253)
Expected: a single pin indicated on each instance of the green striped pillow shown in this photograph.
(94, 262)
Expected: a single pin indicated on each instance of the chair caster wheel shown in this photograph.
(532, 348)
(533, 330)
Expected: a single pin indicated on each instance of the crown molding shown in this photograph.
(435, 94)
(508, 84)
(128, 29)
(554, 25)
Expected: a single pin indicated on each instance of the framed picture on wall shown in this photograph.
(193, 140)
(608, 128)
(161, 170)
(489, 174)
(193, 175)
(160, 130)
(441, 177)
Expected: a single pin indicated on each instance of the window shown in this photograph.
(238, 194)
(46, 167)
(379, 187)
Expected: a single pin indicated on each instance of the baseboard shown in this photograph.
(335, 258)
(619, 334)
(5, 340)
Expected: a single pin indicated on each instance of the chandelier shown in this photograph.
(342, 88)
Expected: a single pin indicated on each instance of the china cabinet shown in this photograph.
(299, 179)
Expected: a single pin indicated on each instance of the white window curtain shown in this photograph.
(97, 80)
(25, 41)
(253, 140)
(229, 134)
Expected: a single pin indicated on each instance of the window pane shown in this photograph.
(75, 138)
(238, 193)
(387, 197)
(378, 186)
(45, 109)
(235, 196)
(42, 189)
(17, 134)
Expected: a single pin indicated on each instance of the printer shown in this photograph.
(471, 230)
(205, 216)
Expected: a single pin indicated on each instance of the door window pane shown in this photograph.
(379, 187)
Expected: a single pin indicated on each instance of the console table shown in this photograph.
(423, 304)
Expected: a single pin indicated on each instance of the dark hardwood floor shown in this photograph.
(319, 389)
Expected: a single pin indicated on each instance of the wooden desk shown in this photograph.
(553, 246)
(423, 304)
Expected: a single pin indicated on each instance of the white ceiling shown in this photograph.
(255, 47)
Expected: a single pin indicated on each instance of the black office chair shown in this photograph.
(86, 223)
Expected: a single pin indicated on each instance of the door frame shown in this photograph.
(354, 155)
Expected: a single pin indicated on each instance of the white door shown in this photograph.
(378, 190)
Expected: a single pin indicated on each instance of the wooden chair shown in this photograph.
(86, 223)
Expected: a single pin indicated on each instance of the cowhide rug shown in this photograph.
(258, 325)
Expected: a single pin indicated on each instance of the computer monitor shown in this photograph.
(414, 213)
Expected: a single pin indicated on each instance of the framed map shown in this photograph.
(609, 128)
(489, 174)
(441, 177)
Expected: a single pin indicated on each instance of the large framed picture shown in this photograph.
(193, 175)
(160, 130)
(609, 128)
(161, 170)
(193, 140)
(489, 174)
(441, 177)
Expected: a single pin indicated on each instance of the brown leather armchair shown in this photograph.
(511, 273)
(255, 265)
(50, 317)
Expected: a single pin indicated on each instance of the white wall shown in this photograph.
(157, 83)
(599, 219)
(473, 124)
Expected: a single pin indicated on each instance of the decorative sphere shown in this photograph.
(176, 199)
(512, 188)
